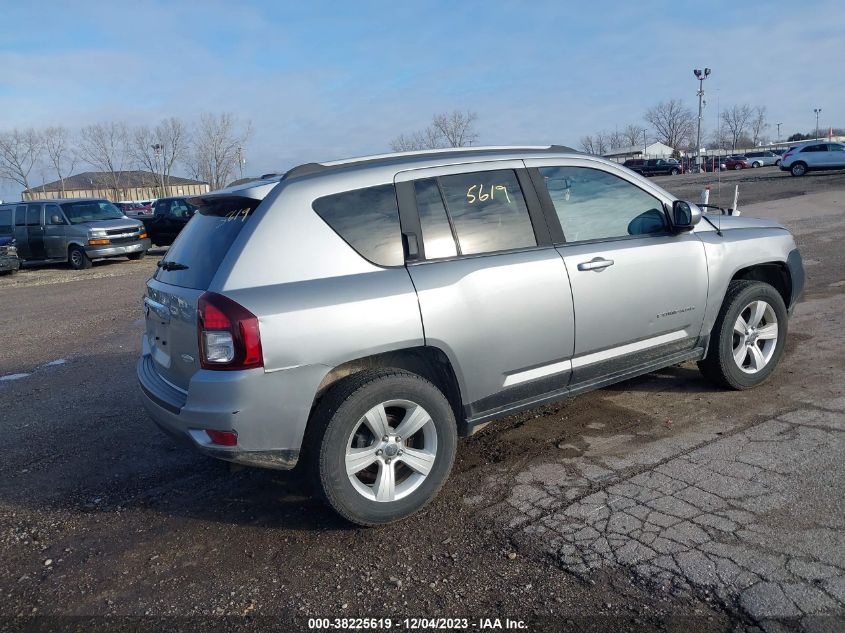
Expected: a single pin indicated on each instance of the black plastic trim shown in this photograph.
(409, 220)
(535, 209)
(475, 419)
(796, 274)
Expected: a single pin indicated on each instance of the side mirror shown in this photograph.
(685, 215)
(56, 219)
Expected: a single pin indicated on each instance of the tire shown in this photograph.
(77, 258)
(346, 421)
(737, 167)
(731, 360)
(674, 172)
(798, 169)
(136, 256)
(756, 164)
(777, 163)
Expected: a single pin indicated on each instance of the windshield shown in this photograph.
(91, 211)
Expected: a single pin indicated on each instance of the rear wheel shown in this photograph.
(383, 445)
(738, 166)
(798, 169)
(756, 164)
(748, 337)
(777, 163)
(77, 259)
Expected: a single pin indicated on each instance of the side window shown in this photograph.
(368, 220)
(5, 220)
(815, 148)
(594, 205)
(20, 215)
(51, 211)
(488, 211)
(835, 147)
(33, 215)
(179, 209)
(436, 232)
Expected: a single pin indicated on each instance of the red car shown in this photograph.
(737, 162)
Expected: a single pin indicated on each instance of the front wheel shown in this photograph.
(748, 337)
(798, 169)
(383, 445)
(756, 164)
(777, 163)
(78, 259)
(737, 166)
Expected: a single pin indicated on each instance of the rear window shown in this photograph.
(368, 220)
(204, 242)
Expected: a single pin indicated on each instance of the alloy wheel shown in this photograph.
(391, 450)
(755, 336)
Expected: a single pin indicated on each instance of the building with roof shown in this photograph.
(131, 185)
(654, 150)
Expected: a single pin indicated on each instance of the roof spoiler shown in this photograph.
(251, 191)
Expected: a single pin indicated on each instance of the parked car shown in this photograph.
(170, 215)
(709, 163)
(136, 208)
(74, 230)
(763, 159)
(359, 315)
(737, 162)
(813, 156)
(9, 262)
(654, 166)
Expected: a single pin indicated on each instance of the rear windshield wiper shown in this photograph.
(171, 265)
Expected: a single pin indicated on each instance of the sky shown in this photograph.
(326, 80)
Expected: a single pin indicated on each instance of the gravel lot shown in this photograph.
(657, 504)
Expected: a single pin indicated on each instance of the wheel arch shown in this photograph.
(426, 361)
(776, 274)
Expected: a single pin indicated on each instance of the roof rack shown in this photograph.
(314, 168)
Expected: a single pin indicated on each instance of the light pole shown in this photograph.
(778, 138)
(817, 111)
(701, 76)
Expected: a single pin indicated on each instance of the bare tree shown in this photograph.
(448, 129)
(159, 149)
(758, 124)
(595, 143)
(633, 134)
(105, 146)
(62, 159)
(615, 139)
(673, 122)
(214, 151)
(457, 128)
(20, 150)
(736, 119)
(587, 144)
(429, 138)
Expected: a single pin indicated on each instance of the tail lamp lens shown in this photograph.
(229, 337)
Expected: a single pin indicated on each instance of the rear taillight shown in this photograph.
(228, 334)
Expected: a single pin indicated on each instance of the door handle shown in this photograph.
(597, 264)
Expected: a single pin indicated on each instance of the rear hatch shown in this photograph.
(184, 274)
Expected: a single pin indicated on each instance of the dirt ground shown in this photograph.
(657, 504)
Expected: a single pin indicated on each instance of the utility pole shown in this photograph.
(241, 161)
(818, 112)
(701, 76)
(157, 147)
(778, 138)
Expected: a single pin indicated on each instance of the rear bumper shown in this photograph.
(268, 411)
(117, 250)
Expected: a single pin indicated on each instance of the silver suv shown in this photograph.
(358, 316)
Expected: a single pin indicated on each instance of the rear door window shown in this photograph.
(193, 259)
(815, 148)
(33, 215)
(368, 220)
(488, 211)
(437, 233)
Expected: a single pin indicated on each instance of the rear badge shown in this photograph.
(187, 358)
